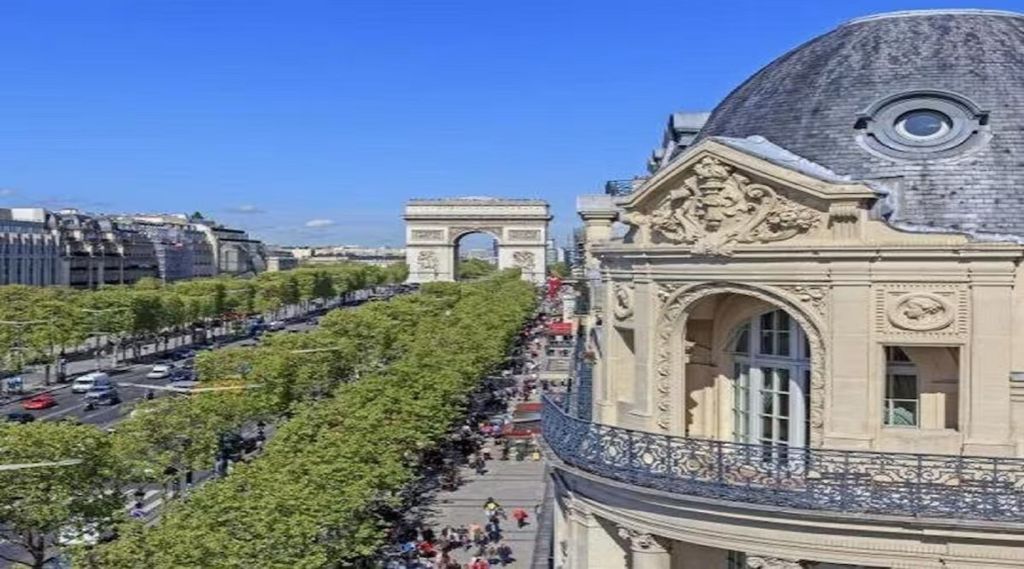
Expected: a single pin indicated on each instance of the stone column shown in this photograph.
(590, 546)
(646, 550)
(763, 562)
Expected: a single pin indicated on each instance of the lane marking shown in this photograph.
(60, 412)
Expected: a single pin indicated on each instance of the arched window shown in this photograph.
(771, 373)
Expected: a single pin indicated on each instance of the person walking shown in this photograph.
(490, 506)
(493, 530)
(520, 516)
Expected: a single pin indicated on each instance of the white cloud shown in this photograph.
(245, 208)
(6, 192)
(320, 223)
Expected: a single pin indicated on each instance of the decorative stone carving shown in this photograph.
(758, 562)
(640, 541)
(675, 302)
(575, 510)
(523, 259)
(524, 235)
(455, 232)
(921, 311)
(934, 310)
(814, 296)
(428, 260)
(427, 234)
(623, 308)
(716, 208)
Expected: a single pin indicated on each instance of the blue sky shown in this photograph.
(312, 122)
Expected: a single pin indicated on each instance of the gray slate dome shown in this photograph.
(928, 104)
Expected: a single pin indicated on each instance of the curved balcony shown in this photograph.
(897, 484)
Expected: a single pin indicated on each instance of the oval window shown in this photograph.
(923, 124)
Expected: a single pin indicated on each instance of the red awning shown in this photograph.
(560, 329)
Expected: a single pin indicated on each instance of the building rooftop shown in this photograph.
(844, 100)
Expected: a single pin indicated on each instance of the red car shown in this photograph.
(41, 401)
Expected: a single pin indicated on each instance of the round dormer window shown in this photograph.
(922, 125)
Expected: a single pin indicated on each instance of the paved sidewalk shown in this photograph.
(514, 485)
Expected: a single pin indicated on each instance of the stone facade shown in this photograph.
(434, 228)
(29, 251)
(722, 237)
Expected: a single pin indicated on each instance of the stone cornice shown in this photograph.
(820, 252)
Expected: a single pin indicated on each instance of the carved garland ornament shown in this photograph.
(816, 297)
(758, 562)
(676, 300)
(640, 541)
(623, 301)
(717, 207)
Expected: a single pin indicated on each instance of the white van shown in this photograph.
(89, 380)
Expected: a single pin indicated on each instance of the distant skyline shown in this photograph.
(311, 122)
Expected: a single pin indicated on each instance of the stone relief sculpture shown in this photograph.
(427, 234)
(716, 208)
(524, 234)
(523, 259)
(814, 296)
(428, 261)
(623, 301)
(921, 311)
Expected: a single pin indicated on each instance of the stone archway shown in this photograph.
(433, 228)
(807, 305)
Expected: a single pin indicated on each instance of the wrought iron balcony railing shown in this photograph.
(915, 485)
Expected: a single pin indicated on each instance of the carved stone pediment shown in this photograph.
(714, 206)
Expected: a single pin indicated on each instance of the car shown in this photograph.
(41, 401)
(103, 394)
(20, 418)
(276, 325)
(181, 375)
(160, 371)
(84, 383)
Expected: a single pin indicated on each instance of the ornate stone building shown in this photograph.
(808, 346)
(434, 228)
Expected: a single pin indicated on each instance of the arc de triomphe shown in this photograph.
(433, 228)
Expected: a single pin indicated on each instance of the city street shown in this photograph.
(72, 405)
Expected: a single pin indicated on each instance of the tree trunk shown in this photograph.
(37, 549)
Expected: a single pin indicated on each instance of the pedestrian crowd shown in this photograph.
(482, 545)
